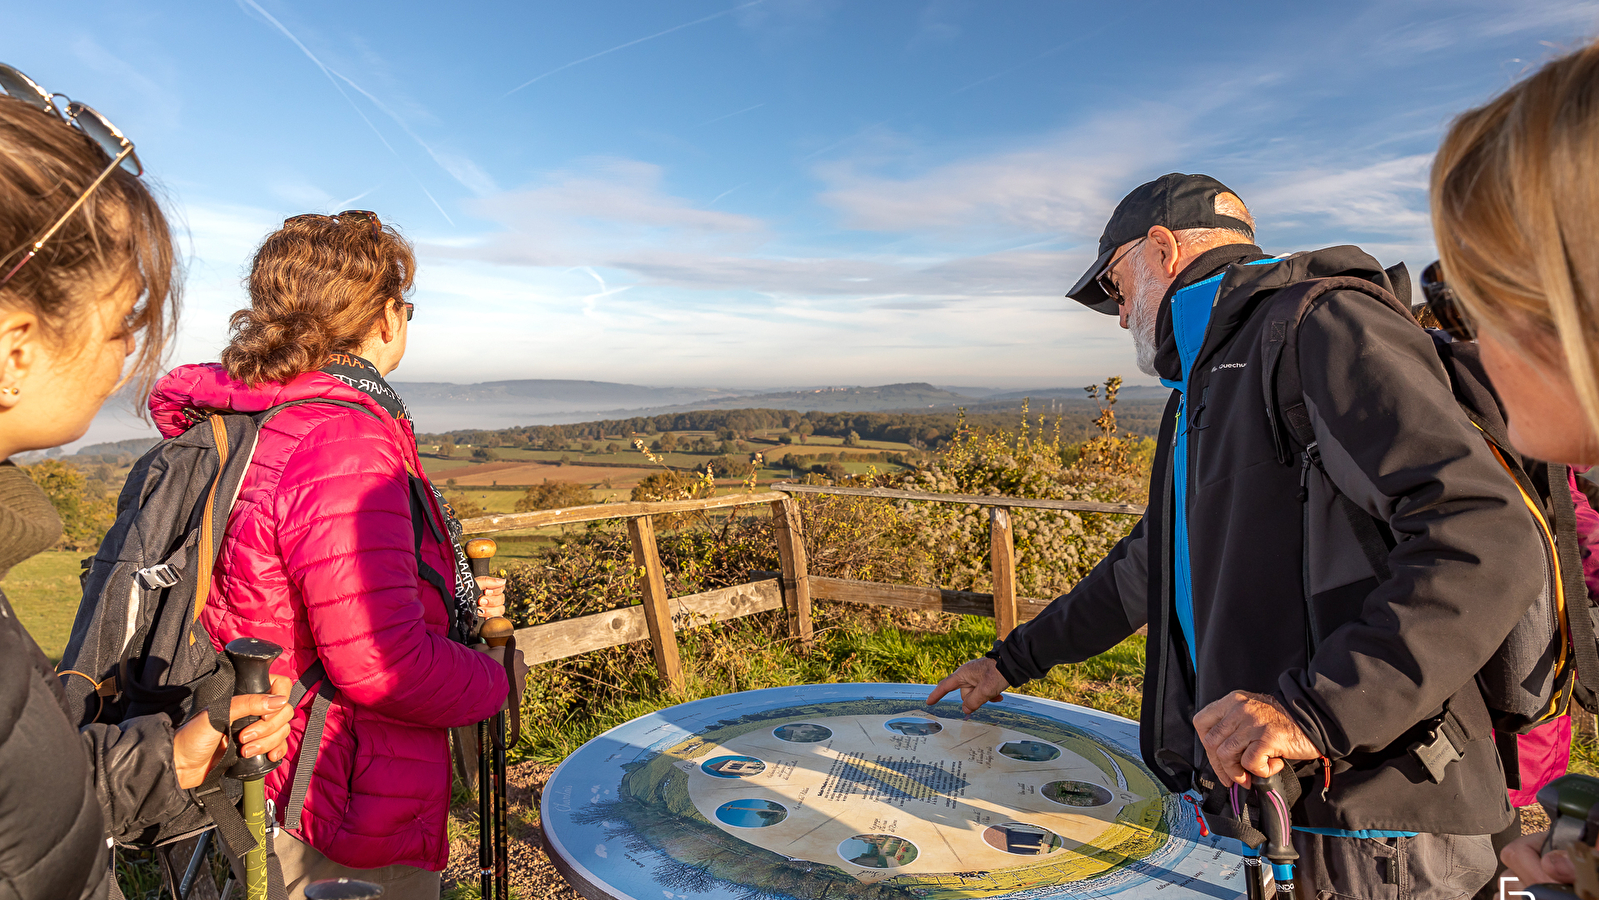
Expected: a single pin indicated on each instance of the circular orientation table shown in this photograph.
(863, 791)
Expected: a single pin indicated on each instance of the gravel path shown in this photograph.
(533, 877)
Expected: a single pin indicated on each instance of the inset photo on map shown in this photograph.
(878, 851)
(1029, 751)
(752, 813)
(1077, 793)
(802, 733)
(913, 727)
(1022, 840)
(733, 766)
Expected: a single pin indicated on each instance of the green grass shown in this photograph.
(854, 645)
(44, 591)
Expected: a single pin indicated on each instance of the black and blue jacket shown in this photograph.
(1250, 577)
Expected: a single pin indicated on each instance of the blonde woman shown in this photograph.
(1515, 206)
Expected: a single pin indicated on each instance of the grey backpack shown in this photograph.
(137, 646)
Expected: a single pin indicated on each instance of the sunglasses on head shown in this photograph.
(359, 215)
(1445, 306)
(118, 149)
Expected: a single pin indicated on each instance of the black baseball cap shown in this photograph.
(1176, 201)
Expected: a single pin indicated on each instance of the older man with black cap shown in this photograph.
(1277, 636)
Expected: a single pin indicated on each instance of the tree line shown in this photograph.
(925, 431)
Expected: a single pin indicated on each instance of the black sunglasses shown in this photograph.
(83, 117)
(1108, 286)
(1445, 306)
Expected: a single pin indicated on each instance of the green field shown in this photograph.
(44, 591)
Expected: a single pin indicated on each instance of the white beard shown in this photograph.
(1145, 300)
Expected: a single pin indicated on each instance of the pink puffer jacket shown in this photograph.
(320, 559)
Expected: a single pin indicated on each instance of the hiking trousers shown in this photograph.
(1424, 867)
(303, 864)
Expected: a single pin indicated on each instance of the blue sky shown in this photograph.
(772, 193)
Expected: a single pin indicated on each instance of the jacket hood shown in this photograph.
(208, 386)
(1244, 287)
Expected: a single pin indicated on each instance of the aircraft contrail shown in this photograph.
(356, 199)
(629, 44)
(730, 115)
(334, 77)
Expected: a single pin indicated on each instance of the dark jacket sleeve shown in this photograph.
(52, 836)
(1466, 563)
(134, 779)
(1096, 615)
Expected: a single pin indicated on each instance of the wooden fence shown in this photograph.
(660, 616)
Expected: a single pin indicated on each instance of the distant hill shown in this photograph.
(913, 396)
(442, 407)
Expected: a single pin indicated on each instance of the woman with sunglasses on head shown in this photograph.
(340, 550)
(89, 278)
(1515, 206)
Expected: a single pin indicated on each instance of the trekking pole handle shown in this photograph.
(252, 674)
(1278, 828)
(498, 631)
(479, 551)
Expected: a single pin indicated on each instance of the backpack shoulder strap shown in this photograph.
(1573, 587)
(267, 415)
(1281, 382)
(311, 742)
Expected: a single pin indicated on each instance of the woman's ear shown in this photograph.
(389, 326)
(19, 354)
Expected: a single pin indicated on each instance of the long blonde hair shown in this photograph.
(1515, 207)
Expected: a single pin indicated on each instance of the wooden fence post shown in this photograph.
(1002, 560)
(657, 605)
(796, 581)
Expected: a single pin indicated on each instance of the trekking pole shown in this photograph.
(342, 889)
(252, 674)
(1278, 828)
(499, 632)
(493, 828)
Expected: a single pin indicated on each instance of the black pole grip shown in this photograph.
(1275, 822)
(252, 674)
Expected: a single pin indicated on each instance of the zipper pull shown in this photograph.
(1204, 829)
(1311, 453)
(1326, 777)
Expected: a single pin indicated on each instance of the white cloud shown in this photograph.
(1388, 196)
(1066, 183)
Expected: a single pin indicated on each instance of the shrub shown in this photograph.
(1054, 549)
(484, 453)
(669, 484)
(463, 506)
(732, 467)
(85, 506)
(554, 495)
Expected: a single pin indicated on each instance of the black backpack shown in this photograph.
(1550, 657)
(137, 646)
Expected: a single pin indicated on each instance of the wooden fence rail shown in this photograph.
(792, 589)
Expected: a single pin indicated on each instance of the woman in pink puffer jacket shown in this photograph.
(321, 558)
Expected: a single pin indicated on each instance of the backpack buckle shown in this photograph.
(157, 576)
(1436, 751)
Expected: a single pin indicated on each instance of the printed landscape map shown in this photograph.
(863, 791)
